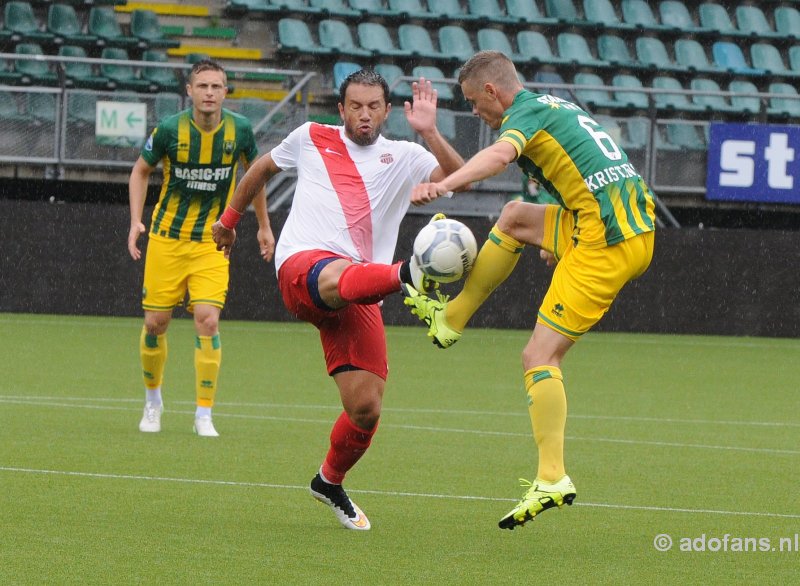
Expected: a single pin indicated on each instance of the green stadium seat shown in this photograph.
(492, 39)
(743, 104)
(535, 47)
(653, 53)
(391, 72)
(794, 58)
(104, 25)
(335, 8)
(81, 75)
(42, 107)
(62, 22)
(675, 14)
(635, 133)
(729, 56)
(684, 136)
(7, 75)
(564, 12)
(639, 14)
(450, 10)
(784, 107)
(341, 69)
(691, 55)
(163, 77)
(34, 72)
(490, 11)
(192, 58)
(455, 44)
(410, 9)
(397, 127)
(602, 12)
(768, 57)
(166, 104)
(20, 21)
(752, 21)
(122, 75)
(551, 77)
(431, 72)
(373, 8)
(301, 7)
(81, 108)
(294, 36)
(593, 98)
(715, 17)
(671, 100)
(242, 7)
(527, 12)
(711, 103)
(336, 36)
(9, 108)
(614, 50)
(146, 27)
(575, 48)
(375, 37)
(787, 21)
(627, 95)
(415, 38)
(446, 121)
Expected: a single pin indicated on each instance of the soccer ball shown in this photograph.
(445, 250)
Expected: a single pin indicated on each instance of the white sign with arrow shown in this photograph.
(121, 123)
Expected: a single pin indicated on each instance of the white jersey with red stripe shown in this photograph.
(350, 199)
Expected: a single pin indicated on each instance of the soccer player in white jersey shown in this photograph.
(334, 254)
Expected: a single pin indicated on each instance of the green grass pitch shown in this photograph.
(692, 437)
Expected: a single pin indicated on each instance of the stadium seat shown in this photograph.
(7, 76)
(301, 7)
(146, 27)
(42, 107)
(244, 6)
(103, 24)
(564, 12)
(9, 108)
(430, 72)
(34, 72)
(62, 22)
(744, 104)
(635, 133)
(534, 46)
(715, 17)
(490, 11)
(373, 8)
(711, 103)
(166, 104)
(602, 12)
(547, 77)
(629, 97)
(415, 38)
(164, 78)
(20, 21)
(397, 127)
(787, 21)
(341, 69)
(375, 37)
(784, 107)
(684, 136)
(123, 76)
(675, 14)
(410, 9)
(794, 58)
(81, 75)
(653, 53)
(446, 122)
(81, 108)
(729, 56)
(639, 14)
(691, 55)
(751, 21)
(767, 57)
(391, 72)
(575, 48)
(192, 58)
(614, 50)
(335, 35)
(450, 10)
(492, 39)
(671, 100)
(335, 8)
(294, 36)
(527, 12)
(455, 44)
(591, 99)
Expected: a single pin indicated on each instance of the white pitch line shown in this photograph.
(387, 493)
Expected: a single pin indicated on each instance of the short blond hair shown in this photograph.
(490, 66)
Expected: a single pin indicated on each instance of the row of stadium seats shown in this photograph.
(670, 16)
(529, 48)
(64, 27)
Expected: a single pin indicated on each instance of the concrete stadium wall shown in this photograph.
(72, 259)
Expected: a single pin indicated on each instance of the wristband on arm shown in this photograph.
(229, 218)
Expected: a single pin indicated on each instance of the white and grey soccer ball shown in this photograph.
(445, 250)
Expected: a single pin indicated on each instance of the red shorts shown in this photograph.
(352, 336)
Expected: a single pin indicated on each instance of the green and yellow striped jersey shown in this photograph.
(199, 171)
(577, 162)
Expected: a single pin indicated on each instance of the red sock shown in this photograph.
(369, 283)
(348, 444)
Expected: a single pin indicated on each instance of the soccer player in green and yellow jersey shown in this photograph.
(200, 150)
(600, 236)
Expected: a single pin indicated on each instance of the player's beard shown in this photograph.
(364, 139)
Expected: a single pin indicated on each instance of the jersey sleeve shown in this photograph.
(155, 147)
(517, 130)
(421, 162)
(287, 153)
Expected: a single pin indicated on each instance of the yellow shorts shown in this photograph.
(586, 280)
(173, 267)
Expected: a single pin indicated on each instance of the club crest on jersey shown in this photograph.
(228, 146)
(387, 158)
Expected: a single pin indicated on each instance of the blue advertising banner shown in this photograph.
(754, 163)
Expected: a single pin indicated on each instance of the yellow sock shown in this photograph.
(207, 359)
(496, 259)
(153, 353)
(547, 406)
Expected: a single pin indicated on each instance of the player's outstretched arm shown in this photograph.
(137, 194)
